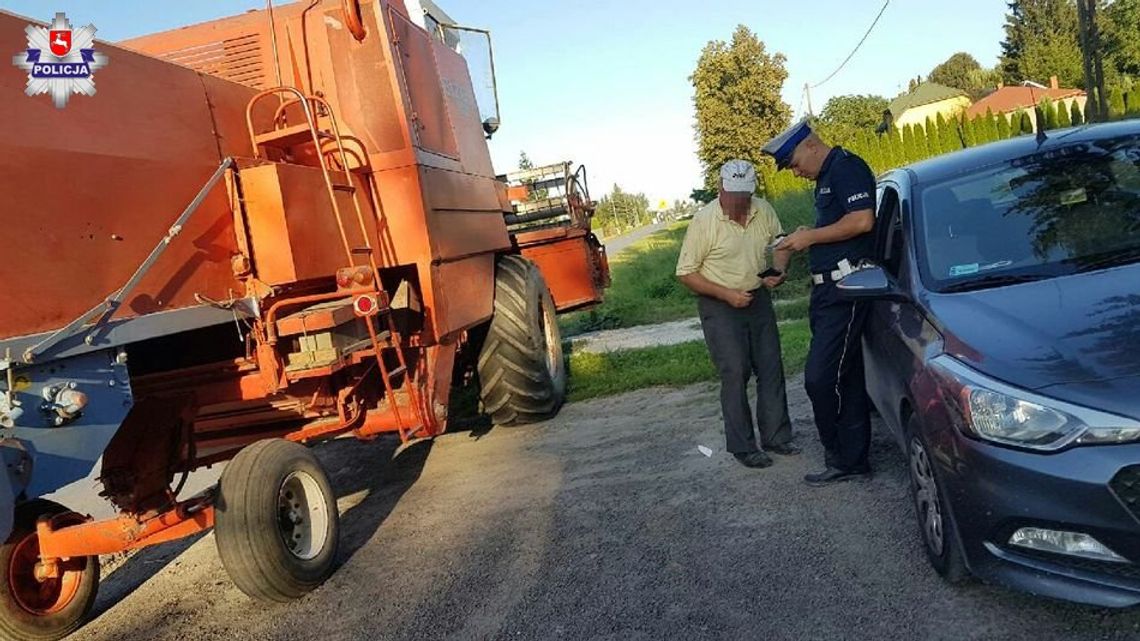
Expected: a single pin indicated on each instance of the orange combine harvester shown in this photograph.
(260, 232)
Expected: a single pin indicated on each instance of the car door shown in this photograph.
(883, 346)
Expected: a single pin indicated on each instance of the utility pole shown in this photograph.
(807, 97)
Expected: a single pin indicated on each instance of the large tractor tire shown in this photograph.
(277, 527)
(521, 371)
(43, 609)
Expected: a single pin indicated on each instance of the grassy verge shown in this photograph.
(593, 375)
(645, 291)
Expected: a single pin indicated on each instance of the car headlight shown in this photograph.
(995, 411)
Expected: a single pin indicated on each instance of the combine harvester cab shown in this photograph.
(261, 232)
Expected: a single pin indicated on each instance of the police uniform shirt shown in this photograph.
(725, 252)
(845, 184)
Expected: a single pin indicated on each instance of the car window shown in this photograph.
(891, 233)
(1057, 212)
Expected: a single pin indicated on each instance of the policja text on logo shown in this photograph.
(60, 61)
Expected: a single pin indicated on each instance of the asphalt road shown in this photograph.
(604, 523)
(616, 244)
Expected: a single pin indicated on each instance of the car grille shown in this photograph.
(1126, 486)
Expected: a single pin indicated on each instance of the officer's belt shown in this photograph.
(834, 275)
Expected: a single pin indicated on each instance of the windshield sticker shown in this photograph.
(1074, 196)
(962, 270)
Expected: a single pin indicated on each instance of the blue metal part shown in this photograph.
(132, 330)
(63, 444)
(7, 496)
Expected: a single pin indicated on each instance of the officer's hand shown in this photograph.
(738, 298)
(796, 241)
(772, 282)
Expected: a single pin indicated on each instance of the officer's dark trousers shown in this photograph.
(834, 378)
(743, 342)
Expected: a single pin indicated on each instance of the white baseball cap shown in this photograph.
(738, 175)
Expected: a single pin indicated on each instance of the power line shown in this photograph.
(850, 55)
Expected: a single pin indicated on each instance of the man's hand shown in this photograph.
(737, 298)
(772, 282)
(799, 240)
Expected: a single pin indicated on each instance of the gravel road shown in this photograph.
(604, 523)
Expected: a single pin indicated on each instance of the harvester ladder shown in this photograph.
(284, 136)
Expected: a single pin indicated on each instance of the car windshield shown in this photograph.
(1061, 211)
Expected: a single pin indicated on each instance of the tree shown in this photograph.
(1003, 128)
(1050, 111)
(532, 195)
(1115, 103)
(1064, 116)
(1120, 37)
(857, 111)
(969, 133)
(1132, 102)
(618, 211)
(1075, 115)
(960, 71)
(737, 99)
(703, 195)
(1041, 40)
(1026, 123)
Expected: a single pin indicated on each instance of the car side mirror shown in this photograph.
(870, 283)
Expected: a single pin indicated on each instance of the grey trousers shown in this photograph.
(742, 343)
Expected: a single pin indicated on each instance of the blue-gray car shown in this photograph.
(1003, 353)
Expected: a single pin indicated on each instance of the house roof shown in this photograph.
(1009, 99)
(924, 94)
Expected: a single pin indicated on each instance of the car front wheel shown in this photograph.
(936, 525)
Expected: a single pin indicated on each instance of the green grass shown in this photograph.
(593, 375)
(645, 289)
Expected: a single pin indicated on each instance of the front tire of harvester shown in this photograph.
(277, 527)
(521, 371)
(35, 610)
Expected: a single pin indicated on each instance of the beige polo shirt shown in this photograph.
(725, 252)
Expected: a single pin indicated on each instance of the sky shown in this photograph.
(605, 82)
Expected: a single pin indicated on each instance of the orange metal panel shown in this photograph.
(431, 123)
(463, 214)
(89, 190)
(293, 230)
(462, 295)
(570, 269)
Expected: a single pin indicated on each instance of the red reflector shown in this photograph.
(364, 305)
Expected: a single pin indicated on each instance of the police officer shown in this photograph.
(841, 238)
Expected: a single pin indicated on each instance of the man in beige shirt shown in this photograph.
(723, 261)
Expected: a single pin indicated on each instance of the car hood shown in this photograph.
(1072, 337)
